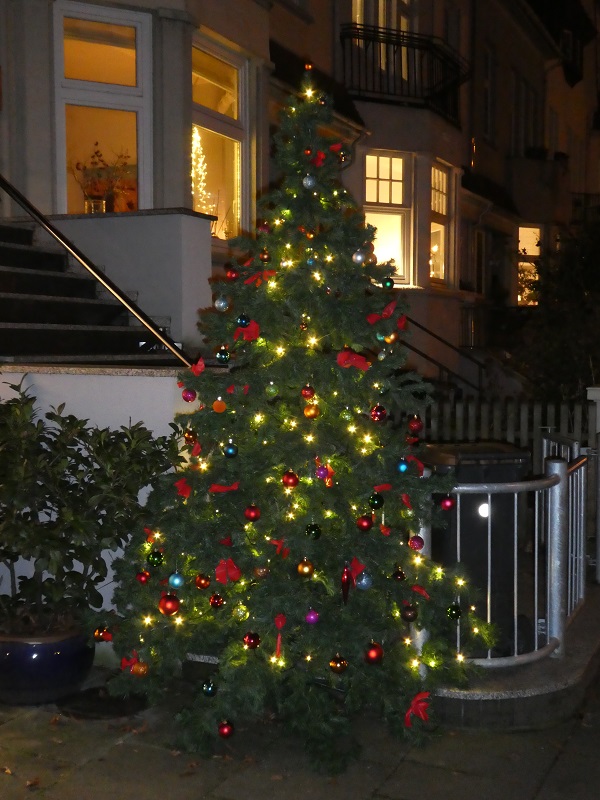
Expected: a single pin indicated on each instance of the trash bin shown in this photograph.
(482, 462)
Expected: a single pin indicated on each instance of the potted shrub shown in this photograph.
(69, 494)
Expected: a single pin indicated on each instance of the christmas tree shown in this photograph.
(286, 549)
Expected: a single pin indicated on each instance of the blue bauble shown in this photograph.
(208, 688)
(223, 355)
(230, 450)
(364, 581)
(402, 465)
(176, 580)
(243, 320)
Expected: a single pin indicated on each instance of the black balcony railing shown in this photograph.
(388, 66)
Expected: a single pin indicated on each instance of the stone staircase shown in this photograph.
(52, 313)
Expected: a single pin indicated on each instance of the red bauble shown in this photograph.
(374, 653)
(409, 613)
(143, 576)
(232, 274)
(189, 395)
(415, 425)
(307, 392)
(252, 640)
(365, 523)
(398, 574)
(447, 503)
(225, 729)
(202, 581)
(252, 512)
(416, 542)
(168, 604)
(216, 600)
(290, 478)
(378, 413)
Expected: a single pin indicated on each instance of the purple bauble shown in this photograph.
(312, 617)
(322, 473)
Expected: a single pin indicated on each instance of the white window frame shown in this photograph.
(404, 275)
(102, 95)
(443, 218)
(237, 129)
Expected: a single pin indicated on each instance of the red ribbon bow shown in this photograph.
(217, 487)
(356, 568)
(129, 662)
(183, 488)
(196, 449)
(385, 314)
(383, 487)
(227, 570)
(281, 550)
(231, 389)
(402, 322)
(259, 277)
(198, 367)
(319, 159)
(418, 708)
(280, 621)
(406, 501)
(249, 333)
(420, 590)
(385, 529)
(419, 464)
(348, 358)
(335, 148)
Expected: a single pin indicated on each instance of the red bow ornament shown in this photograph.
(183, 488)
(217, 488)
(280, 621)
(198, 367)
(249, 333)
(418, 708)
(259, 277)
(281, 550)
(227, 570)
(348, 358)
(385, 314)
(127, 663)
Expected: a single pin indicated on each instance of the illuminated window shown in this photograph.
(103, 63)
(529, 251)
(218, 138)
(387, 209)
(439, 223)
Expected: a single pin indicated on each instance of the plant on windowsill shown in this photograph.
(101, 181)
(69, 496)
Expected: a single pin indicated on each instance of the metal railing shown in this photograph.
(96, 273)
(391, 66)
(522, 545)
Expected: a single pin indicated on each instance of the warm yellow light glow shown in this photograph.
(287, 490)
(460, 657)
(433, 663)
(367, 438)
(309, 438)
(296, 506)
(290, 515)
(258, 417)
(147, 620)
(277, 222)
(408, 641)
(460, 581)
(329, 258)
(317, 276)
(364, 451)
(415, 663)
(328, 513)
(280, 350)
(309, 92)
(288, 246)
(475, 631)
(313, 341)
(472, 608)
(418, 560)
(178, 620)
(308, 658)
(271, 284)
(352, 428)
(438, 573)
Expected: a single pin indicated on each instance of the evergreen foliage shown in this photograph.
(302, 497)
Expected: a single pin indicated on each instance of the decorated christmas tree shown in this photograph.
(286, 550)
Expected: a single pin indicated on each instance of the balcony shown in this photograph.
(388, 66)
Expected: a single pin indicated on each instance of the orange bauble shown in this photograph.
(312, 411)
(219, 406)
(140, 669)
(305, 567)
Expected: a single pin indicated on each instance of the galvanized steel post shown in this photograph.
(558, 532)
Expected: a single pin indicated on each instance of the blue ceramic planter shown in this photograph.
(43, 669)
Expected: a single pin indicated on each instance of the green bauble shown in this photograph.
(346, 415)
(271, 390)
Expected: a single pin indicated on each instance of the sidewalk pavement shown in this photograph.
(47, 753)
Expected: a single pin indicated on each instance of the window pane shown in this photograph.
(101, 159)
(437, 252)
(384, 167)
(371, 166)
(388, 237)
(100, 52)
(216, 179)
(384, 191)
(371, 191)
(214, 83)
(529, 241)
(397, 164)
(397, 193)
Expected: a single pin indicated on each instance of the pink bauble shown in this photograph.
(312, 617)
(189, 395)
(416, 542)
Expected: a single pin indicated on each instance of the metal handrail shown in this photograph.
(85, 262)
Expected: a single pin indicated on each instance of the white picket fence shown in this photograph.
(520, 422)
